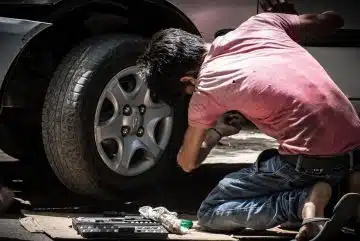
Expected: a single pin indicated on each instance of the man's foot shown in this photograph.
(6, 198)
(314, 206)
(290, 226)
(310, 230)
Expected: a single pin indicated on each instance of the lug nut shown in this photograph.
(127, 110)
(125, 130)
(142, 109)
(140, 131)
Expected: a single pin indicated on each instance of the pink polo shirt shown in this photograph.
(260, 70)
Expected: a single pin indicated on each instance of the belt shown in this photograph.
(329, 163)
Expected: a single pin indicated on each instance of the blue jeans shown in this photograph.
(265, 195)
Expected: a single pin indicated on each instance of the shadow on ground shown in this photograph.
(183, 193)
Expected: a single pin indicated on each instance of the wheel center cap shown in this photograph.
(133, 121)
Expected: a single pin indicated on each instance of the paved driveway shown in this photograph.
(241, 148)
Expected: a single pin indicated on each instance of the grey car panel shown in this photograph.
(14, 35)
(342, 64)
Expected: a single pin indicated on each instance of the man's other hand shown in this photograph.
(308, 26)
(278, 6)
(229, 123)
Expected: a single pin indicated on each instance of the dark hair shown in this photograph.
(170, 54)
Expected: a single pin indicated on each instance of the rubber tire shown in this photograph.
(68, 118)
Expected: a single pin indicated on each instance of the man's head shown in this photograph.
(171, 63)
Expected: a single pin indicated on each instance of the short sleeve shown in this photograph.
(288, 23)
(202, 111)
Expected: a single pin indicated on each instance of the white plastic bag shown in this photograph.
(166, 218)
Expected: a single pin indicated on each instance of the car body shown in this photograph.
(53, 52)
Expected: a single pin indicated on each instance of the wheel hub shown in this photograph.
(132, 119)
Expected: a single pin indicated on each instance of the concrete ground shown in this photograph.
(183, 194)
(241, 148)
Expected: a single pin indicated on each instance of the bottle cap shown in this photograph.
(186, 223)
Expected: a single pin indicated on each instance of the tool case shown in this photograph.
(129, 227)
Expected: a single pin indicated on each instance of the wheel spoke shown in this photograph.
(110, 129)
(126, 151)
(157, 113)
(147, 100)
(117, 95)
(149, 143)
(141, 91)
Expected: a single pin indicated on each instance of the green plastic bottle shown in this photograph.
(186, 224)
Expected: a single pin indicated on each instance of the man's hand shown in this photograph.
(319, 25)
(278, 6)
(229, 123)
(198, 142)
(310, 25)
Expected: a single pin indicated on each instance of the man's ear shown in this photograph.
(188, 79)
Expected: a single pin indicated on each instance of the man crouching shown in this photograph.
(260, 71)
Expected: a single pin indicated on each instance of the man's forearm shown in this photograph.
(211, 139)
(195, 149)
(198, 142)
(332, 19)
(319, 25)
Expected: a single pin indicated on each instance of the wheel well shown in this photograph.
(28, 78)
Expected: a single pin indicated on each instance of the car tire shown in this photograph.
(70, 112)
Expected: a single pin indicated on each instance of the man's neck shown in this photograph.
(208, 46)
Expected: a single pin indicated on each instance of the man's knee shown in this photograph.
(213, 199)
(220, 218)
(232, 215)
(210, 220)
(213, 214)
(204, 214)
(214, 220)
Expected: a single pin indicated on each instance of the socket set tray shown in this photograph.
(129, 227)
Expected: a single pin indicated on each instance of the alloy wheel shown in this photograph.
(132, 128)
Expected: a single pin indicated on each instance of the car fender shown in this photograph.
(14, 35)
